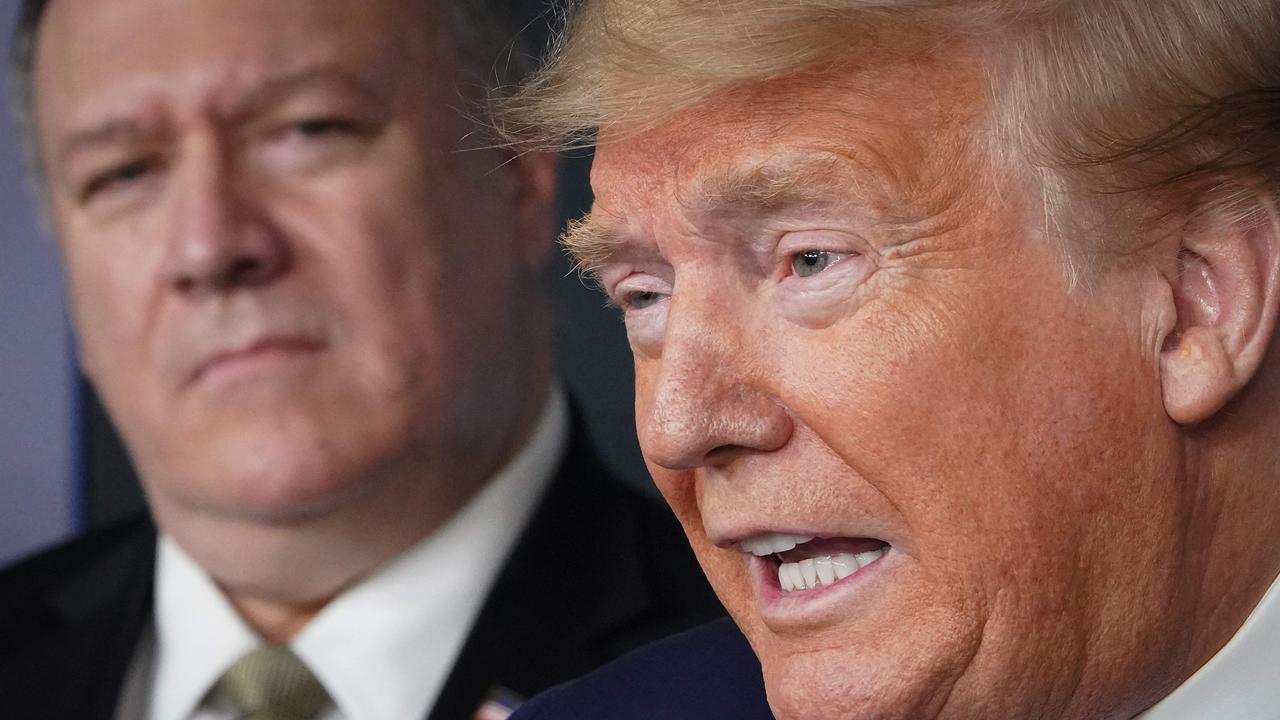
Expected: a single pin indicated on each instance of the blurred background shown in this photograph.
(62, 468)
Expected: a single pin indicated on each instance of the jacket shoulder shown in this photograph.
(94, 561)
(708, 673)
(70, 619)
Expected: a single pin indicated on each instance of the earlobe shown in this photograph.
(1196, 377)
(1226, 295)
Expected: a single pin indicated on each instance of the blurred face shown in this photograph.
(292, 287)
(926, 479)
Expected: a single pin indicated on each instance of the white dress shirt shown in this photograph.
(1240, 682)
(382, 649)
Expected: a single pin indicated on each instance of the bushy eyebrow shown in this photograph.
(590, 243)
(768, 187)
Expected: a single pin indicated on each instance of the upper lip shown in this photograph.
(733, 539)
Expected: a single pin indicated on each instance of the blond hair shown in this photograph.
(1099, 98)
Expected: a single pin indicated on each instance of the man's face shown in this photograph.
(291, 283)
(847, 326)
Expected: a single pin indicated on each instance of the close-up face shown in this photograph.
(927, 477)
(293, 282)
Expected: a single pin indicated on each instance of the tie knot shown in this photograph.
(272, 683)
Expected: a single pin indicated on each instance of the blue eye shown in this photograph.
(810, 262)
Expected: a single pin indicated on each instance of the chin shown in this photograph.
(266, 469)
(847, 684)
(896, 663)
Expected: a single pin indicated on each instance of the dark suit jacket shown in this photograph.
(708, 673)
(598, 571)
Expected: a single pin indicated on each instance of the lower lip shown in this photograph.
(267, 358)
(805, 606)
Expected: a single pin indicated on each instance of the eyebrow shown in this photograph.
(774, 186)
(590, 243)
(114, 130)
(129, 128)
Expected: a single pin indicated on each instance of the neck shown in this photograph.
(279, 574)
(1233, 461)
(275, 621)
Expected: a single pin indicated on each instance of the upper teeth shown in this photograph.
(825, 570)
(771, 543)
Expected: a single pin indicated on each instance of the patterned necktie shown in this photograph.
(272, 683)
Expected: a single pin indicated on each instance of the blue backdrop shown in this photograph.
(37, 381)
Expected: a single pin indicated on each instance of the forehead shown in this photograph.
(96, 53)
(898, 124)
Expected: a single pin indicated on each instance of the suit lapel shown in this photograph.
(576, 578)
(85, 632)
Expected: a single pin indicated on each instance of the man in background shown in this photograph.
(311, 301)
(954, 327)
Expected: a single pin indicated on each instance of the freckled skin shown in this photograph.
(1004, 434)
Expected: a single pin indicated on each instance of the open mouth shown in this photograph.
(806, 562)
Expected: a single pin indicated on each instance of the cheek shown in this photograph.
(679, 490)
(726, 570)
(113, 312)
(995, 434)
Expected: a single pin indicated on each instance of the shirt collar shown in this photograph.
(198, 634)
(384, 648)
(1240, 681)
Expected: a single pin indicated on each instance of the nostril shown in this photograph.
(241, 271)
(244, 266)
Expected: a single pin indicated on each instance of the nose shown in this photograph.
(709, 401)
(219, 238)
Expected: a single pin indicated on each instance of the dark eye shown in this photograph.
(640, 300)
(810, 262)
(319, 127)
(117, 177)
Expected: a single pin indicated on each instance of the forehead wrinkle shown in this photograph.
(769, 186)
(362, 50)
(861, 180)
(270, 89)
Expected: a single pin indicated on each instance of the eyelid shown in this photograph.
(339, 121)
(112, 173)
(294, 126)
(829, 240)
(630, 283)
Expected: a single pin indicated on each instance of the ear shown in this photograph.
(535, 209)
(1226, 296)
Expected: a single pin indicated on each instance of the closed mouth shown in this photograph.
(271, 347)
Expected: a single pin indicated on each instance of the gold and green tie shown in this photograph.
(272, 683)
